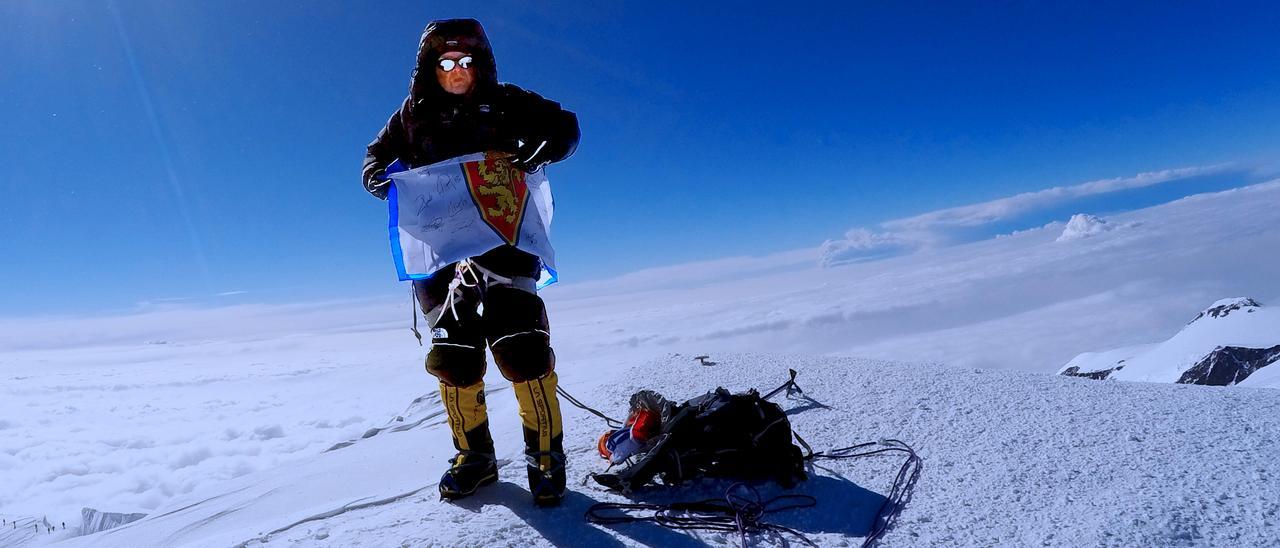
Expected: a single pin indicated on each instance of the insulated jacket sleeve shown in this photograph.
(539, 119)
(384, 149)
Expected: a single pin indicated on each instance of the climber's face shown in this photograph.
(456, 72)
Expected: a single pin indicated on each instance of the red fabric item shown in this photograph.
(645, 424)
(604, 451)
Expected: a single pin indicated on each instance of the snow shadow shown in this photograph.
(565, 525)
(806, 403)
(843, 507)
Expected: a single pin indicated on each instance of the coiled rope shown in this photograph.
(742, 510)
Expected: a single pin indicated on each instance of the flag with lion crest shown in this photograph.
(465, 206)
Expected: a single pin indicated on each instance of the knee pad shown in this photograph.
(518, 333)
(524, 358)
(456, 365)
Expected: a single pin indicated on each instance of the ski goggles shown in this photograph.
(448, 65)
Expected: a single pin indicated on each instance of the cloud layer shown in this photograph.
(1020, 211)
(1019, 205)
(861, 244)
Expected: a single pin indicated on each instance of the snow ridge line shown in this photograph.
(345, 508)
(391, 425)
(375, 431)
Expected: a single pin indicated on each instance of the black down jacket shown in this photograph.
(432, 124)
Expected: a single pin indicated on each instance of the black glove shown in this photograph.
(532, 155)
(378, 184)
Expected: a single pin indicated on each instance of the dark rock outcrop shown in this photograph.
(1222, 310)
(1074, 371)
(1228, 365)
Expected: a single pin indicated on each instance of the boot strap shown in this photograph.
(557, 461)
(484, 459)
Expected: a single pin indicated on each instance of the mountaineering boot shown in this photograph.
(543, 438)
(474, 465)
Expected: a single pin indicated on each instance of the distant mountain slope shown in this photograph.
(1223, 345)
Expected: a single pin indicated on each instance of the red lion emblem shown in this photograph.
(500, 193)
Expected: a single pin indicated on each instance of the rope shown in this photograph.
(413, 304)
(741, 511)
(742, 514)
(460, 272)
(609, 421)
(460, 280)
(903, 483)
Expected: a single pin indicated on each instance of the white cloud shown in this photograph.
(1020, 204)
(861, 244)
(185, 322)
(940, 227)
(1083, 226)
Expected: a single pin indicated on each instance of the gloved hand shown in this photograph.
(531, 156)
(378, 184)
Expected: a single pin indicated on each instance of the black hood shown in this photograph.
(465, 35)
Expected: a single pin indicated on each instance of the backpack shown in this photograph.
(719, 435)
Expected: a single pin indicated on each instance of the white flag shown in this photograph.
(465, 206)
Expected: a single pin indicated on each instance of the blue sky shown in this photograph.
(210, 152)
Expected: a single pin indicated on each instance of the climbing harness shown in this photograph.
(468, 273)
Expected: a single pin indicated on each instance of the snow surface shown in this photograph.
(1054, 468)
(170, 406)
(1241, 325)
(1265, 377)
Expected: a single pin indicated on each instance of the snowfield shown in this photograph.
(316, 423)
(1010, 458)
